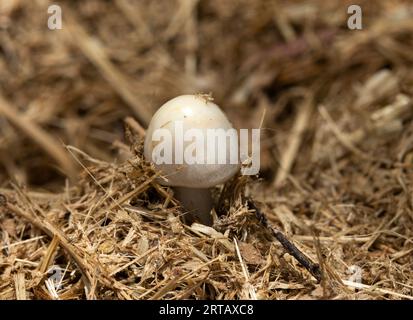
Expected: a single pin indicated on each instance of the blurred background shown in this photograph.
(114, 59)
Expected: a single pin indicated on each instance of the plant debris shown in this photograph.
(82, 215)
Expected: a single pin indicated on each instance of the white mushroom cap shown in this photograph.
(193, 112)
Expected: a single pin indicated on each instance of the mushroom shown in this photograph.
(181, 141)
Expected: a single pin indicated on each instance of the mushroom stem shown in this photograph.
(197, 202)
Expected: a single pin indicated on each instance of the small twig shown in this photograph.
(362, 286)
(294, 141)
(21, 242)
(251, 290)
(141, 188)
(47, 258)
(135, 126)
(20, 287)
(312, 267)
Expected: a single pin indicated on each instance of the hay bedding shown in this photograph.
(336, 149)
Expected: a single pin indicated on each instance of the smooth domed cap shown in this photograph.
(192, 112)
